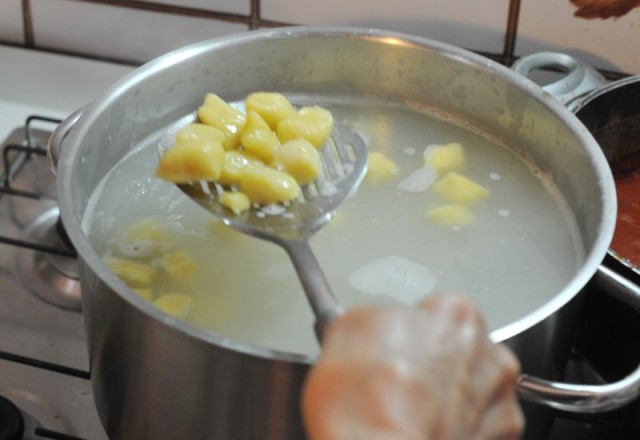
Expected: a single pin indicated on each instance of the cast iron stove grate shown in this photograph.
(18, 156)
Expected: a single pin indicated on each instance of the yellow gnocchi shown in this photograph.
(147, 230)
(179, 265)
(272, 107)
(238, 202)
(133, 273)
(313, 124)
(152, 273)
(459, 189)
(445, 158)
(258, 139)
(192, 160)
(199, 131)
(451, 215)
(175, 304)
(264, 155)
(144, 292)
(380, 168)
(299, 159)
(229, 120)
(266, 185)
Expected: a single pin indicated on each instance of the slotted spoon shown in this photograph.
(344, 164)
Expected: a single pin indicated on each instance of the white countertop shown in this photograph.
(34, 82)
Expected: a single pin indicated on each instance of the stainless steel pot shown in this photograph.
(611, 113)
(157, 377)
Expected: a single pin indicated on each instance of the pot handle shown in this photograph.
(57, 137)
(590, 398)
(579, 78)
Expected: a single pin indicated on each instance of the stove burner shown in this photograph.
(52, 277)
(11, 421)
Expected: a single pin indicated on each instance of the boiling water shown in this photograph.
(521, 249)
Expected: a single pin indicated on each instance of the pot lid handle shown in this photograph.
(589, 398)
(578, 80)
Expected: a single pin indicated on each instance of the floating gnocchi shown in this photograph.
(445, 158)
(179, 265)
(380, 168)
(265, 154)
(460, 189)
(441, 173)
(175, 304)
(451, 215)
(149, 274)
(133, 273)
(144, 292)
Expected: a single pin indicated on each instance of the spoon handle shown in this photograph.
(324, 304)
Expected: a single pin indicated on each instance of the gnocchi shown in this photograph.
(192, 159)
(258, 139)
(236, 201)
(380, 168)
(451, 215)
(144, 292)
(265, 154)
(460, 189)
(313, 124)
(265, 185)
(147, 230)
(299, 159)
(216, 112)
(272, 107)
(175, 304)
(445, 158)
(133, 273)
(149, 274)
(179, 265)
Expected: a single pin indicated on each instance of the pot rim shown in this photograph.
(603, 90)
(92, 111)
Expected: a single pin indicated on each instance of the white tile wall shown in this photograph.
(242, 7)
(11, 28)
(117, 32)
(612, 44)
(472, 24)
(99, 28)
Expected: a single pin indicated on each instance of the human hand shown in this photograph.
(412, 373)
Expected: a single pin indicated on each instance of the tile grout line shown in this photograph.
(27, 22)
(511, 31)
(254, 21)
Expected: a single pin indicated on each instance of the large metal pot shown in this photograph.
(157, 377)
(611, 113)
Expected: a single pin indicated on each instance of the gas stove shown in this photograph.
(44, 386)
(45, 390)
